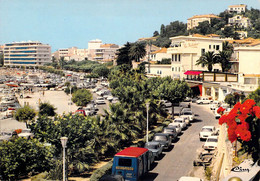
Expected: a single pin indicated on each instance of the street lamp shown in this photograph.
(147, 124)
(64, 143)
(70, 99)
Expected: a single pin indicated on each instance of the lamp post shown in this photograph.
(70, 99)
(147, 124)
(64, 143)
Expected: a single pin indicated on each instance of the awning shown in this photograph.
(12, 85)
(192, 72)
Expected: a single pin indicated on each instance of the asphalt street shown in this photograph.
(178, 161)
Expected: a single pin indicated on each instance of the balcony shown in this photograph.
(244, 87)
(174, 50)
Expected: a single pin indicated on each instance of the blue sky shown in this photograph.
(67, 23)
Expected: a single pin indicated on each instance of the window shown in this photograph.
(217, 47)
(176, 69)
(209, 46)
(249, 81)
(173, 69)
(179, 57)
(160, 72)
(124, 162)
(172, 58)
(175, 57)
(202, 51)
(179, 69)
(214, 46)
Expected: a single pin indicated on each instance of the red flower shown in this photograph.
(237, 105)
(232, 124)
(242, 117)
(232, 135)
(222, 119)
(246, 136)
(220, 110)
(256, 110)
(249, 102)
(245, 125)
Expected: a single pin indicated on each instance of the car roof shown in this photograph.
(208, 127)
(215, 137)
(152, 143)
(161, 134)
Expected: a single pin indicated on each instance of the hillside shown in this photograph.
(217, 26)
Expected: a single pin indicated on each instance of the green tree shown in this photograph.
(137, 51)
(162, 30)
(156, 33)
(255, 95)
(173, 91)
(208, 59)
(81, 97)
(25, 114)
(227, 47)
(47, 108)
(62, 62)
(123, 56)
(19, 157)
(101, 71)
(223, 57)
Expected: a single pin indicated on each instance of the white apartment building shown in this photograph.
(31, 53)
(239, 21)
(97, 51)
(195, 20)
(184, 52)
(160, 54)
(72, 53)
(237, 8)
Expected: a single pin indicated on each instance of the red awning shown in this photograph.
(12, 85)
(192, 72)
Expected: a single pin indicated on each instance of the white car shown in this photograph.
(110, 98)
(203, 100)
(176, 126)
(214, 105)
(188, 114)
(211, 143)
(207, 131)
(26, 133)
(100, 100)
(181, 121)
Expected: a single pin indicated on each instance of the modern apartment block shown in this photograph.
(195, 20)
(237, 8)
(71, 53)
(98, 51)
(31, 53)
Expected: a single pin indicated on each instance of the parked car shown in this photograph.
(164, 139)
(167, 103)
(181, 121)
(214, 105)
(172, 132)
(184, 109)
(176, 126)
(203, 100)
(7, 135)
(207, 131)
(217, 115)
(211, 143)
(26, 133)
(110, 98)
(100, 100)
(194, 99)
(203, 159)
(154, 147)
(188, 114)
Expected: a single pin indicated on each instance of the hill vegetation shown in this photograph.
(217, 26)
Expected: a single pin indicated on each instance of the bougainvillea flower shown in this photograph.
(222, 119)
(232, 124)
(242, 117)
(249, 102)
(256, 110)
(220, 110)
(237, 105)
(232, 135)
(244, 125)
(246, 136)
(232, 116)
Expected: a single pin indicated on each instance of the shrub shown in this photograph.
(106, 169)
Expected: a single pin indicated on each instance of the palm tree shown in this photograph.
(227, 47)
(208, 59)
(223, 57)
(137, 51)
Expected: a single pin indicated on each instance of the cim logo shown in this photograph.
(240, 169)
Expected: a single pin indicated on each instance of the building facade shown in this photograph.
(72, 53)
(32, 53)
(239, 21)
(195, 20)
(237, 8)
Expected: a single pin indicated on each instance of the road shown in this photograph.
(179, 160)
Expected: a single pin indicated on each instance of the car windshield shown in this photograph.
(187, 113)
(212, 140)
(152, 146)
(206, 130)
(178, 120)
(160, 138)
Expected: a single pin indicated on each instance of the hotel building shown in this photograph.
(195, 20)
(31, 53)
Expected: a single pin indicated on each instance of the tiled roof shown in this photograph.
(199, 35)
(162, 50)
(239, 5)
(149, 38)
(106, 45)
(204, 16)
(249, 41)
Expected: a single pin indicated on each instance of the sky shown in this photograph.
(67, 23)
